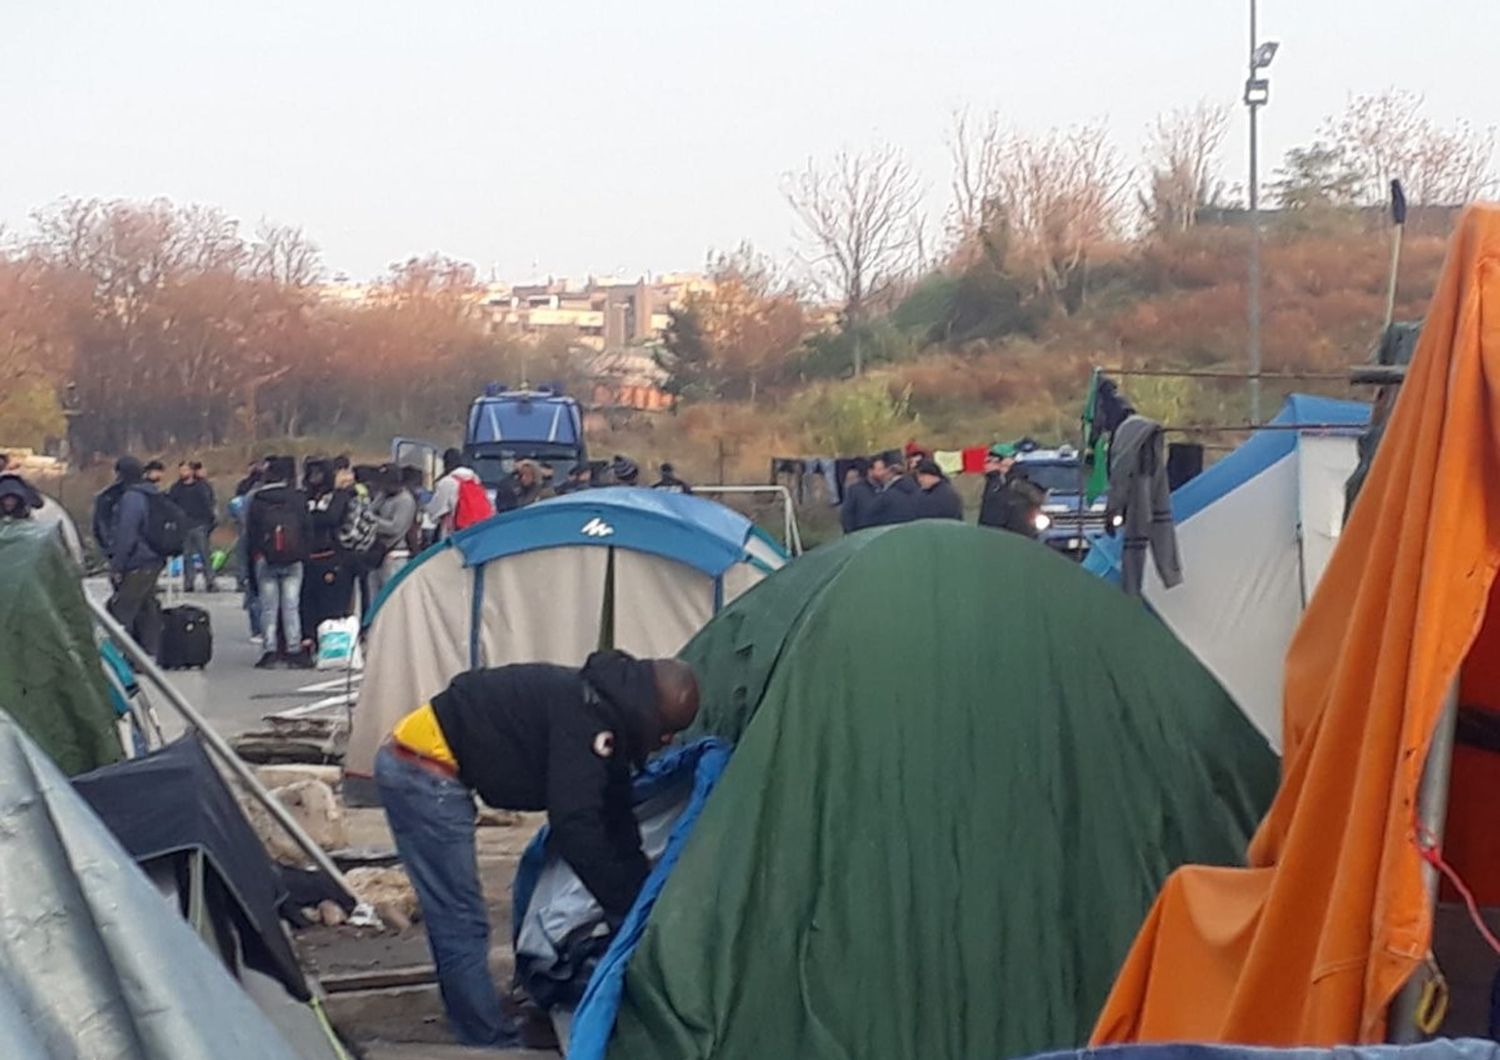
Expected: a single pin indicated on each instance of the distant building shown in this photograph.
(602, 315)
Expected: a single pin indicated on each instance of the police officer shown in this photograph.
(1010, 501)
(526, 737)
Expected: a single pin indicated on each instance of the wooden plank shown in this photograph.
(379, 979)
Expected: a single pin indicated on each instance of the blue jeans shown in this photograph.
(195, 555)
(280, 598)
(251, 596)
(432, 820)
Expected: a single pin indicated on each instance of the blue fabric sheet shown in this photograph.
(594, 1020)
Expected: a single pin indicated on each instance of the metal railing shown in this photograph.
(791, 533)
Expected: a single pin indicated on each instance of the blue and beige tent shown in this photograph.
(637, 569)
(1255, 532)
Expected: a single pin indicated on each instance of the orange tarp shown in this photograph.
(1310, 944)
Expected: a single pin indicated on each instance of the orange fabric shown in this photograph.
(1310, 945)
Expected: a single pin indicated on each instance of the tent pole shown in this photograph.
(1432, 814)
(218, 744)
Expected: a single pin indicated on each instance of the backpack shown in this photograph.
(282, 528)
(166, 525)
(357, 532)
(473, 504)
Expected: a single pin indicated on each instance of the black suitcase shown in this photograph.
(187, 638)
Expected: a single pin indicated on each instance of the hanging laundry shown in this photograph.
(949, 461)
(1139, 495)
(974, 459)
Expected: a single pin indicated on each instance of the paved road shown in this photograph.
(230, 692)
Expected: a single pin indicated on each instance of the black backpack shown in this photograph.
(282, 526)
(166, 525)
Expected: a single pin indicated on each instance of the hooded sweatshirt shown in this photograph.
(539, 737)
(443, 506)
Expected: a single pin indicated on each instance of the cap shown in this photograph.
(1003, 450)
(930, 467)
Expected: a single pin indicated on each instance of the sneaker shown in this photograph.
(267, 661)
(302, 660)
(256, 638)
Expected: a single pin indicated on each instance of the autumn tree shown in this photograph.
(1181, 166)
(860, 218)
(738, 335)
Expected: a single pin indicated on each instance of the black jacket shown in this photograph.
(897, 503)
(107, 516)
(539, 737)
(940, 502)
(325, 514)
(196, 499)
(858, 510)
(1009, 504)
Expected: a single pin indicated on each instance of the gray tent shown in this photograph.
(93, 963)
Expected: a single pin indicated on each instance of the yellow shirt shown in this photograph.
(419, 731)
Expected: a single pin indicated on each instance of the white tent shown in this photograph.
(636, 569)
(1255, 531)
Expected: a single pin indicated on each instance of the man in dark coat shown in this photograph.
(858, 509)
(1010, 500)
(938, 499)
(895, 492)
(531, 736)
(194, 494)
(134, 565)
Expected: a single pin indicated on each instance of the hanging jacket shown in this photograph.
(1139, 492)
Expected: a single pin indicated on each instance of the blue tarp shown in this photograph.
(594, 1018)
(1441, 1049)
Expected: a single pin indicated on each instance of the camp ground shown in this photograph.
(949, 793)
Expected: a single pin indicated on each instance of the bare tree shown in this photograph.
(1386, 136)
(1181, 156)
(1061, 196)
(284, 255)
(977, 148)
(860, 222)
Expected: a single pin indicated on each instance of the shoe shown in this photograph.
(256, 638)
(302, 660)
(267, 661)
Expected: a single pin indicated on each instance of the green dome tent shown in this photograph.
(964, 768)
(51, 682)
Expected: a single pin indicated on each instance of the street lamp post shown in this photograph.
(1257, 95)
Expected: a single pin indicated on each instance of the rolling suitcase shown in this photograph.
(187, 638)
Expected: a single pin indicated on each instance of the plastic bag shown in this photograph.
(338, 644)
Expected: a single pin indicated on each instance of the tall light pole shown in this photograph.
(1257, 95)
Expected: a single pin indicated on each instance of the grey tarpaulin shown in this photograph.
(93, 963)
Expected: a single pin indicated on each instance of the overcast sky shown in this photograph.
(611, 136)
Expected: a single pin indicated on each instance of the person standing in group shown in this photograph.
(107, 504)
(459, 500)
(395, 514)
(194, 494)
(895, 493)
(530, 485)
(239, 511)
(278, 530)
(327, 577)
(134, 564)
(1010, 501)
(937, 499)
(858, 508)
(525, 737)
(580, 477)
(624, 471)
(670, 482)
